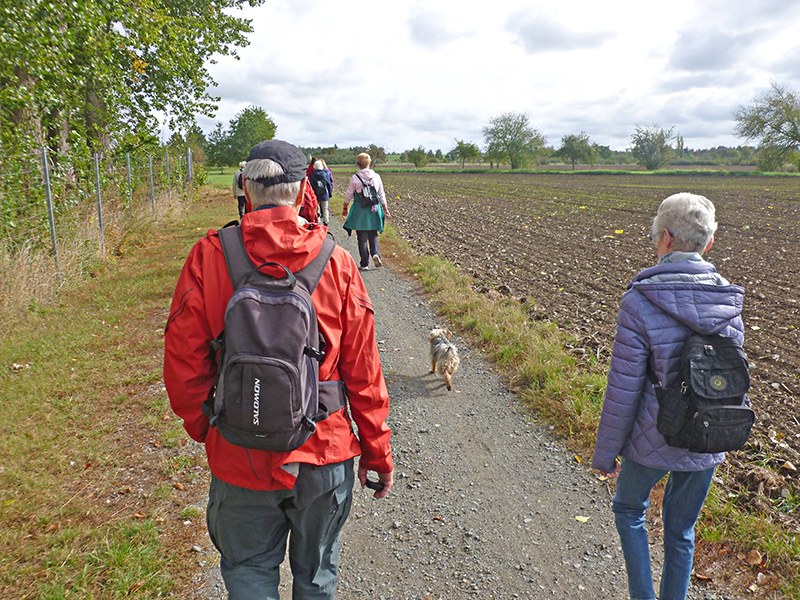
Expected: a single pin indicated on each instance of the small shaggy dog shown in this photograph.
(444, 355)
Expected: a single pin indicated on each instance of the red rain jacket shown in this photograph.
(346, 319)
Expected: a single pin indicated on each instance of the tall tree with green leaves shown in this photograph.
(465, 151)
(577, 149)
(512, 136)
(249, 127)
(418, 157)
(376, 153)
(94, 73)
(650, 146)
(774, 120)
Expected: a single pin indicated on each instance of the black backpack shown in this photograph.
(706, 409)
(319, 185)
(239, 181)
(267, 395)
(368, 196)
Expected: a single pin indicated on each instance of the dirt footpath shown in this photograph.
(486, 503)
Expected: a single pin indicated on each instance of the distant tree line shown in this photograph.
(510, 139)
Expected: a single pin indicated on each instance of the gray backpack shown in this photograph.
(267, 395)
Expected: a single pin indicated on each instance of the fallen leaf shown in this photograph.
(125, 490)
(137, 585)
(578, 459)
(753, 558)
(178, 486)
(580, 519)
(138, 515)
(702, 577)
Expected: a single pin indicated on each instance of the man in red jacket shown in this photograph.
(257, 497)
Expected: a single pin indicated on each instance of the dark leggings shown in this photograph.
(367, 246)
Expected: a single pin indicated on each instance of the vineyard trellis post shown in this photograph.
(99, 203)
(49, 197)
(152, 191)
(128, 174)
(166, 163)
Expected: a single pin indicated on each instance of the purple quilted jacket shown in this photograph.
(656, 314)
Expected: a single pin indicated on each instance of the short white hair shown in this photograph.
(689, 218)
(318, 166)
(284, 194)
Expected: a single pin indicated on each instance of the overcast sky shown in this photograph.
(401, 74)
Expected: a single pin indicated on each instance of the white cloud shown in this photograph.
(404, 74)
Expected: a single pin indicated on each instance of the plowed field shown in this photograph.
(572, 243)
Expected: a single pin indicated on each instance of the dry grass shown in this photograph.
(29, 277)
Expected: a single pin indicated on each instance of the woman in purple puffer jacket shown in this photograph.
(663, 304)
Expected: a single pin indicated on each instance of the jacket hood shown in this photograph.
(693, 293)
(276, 234)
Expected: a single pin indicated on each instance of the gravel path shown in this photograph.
(486, 504)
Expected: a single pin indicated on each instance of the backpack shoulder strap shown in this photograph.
(310, 275)
(236, 257)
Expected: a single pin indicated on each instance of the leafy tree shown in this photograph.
(93, 72)
(577, 148)
(376, 153)
(774, 120)
(249, 127)
(465, 151)
(418, 157)
(650, 146)
(511, 136)
(218, 151)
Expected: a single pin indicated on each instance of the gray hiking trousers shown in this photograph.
(250, 529)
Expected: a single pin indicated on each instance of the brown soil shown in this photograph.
(571, 244)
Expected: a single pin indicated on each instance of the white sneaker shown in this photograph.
(377, 260)
(360, 268)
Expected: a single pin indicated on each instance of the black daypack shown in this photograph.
(706, 409)
(318, 185)
(239, 180)
(267, 395)
(368, 196)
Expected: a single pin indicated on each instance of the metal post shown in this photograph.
(128, 173)
(166, 162)
(152, 192)
(99, 204)
(49, 196)
(189, 165)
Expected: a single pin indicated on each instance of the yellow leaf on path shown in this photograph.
(578, 459)
(580, 519)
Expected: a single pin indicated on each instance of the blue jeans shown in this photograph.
(250, 529)
(683, 498)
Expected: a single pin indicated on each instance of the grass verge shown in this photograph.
(96, 473)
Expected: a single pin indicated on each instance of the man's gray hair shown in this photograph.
(690, 220)
(284, 194)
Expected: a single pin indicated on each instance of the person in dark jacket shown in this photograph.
(663, 305)
(321, 183)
